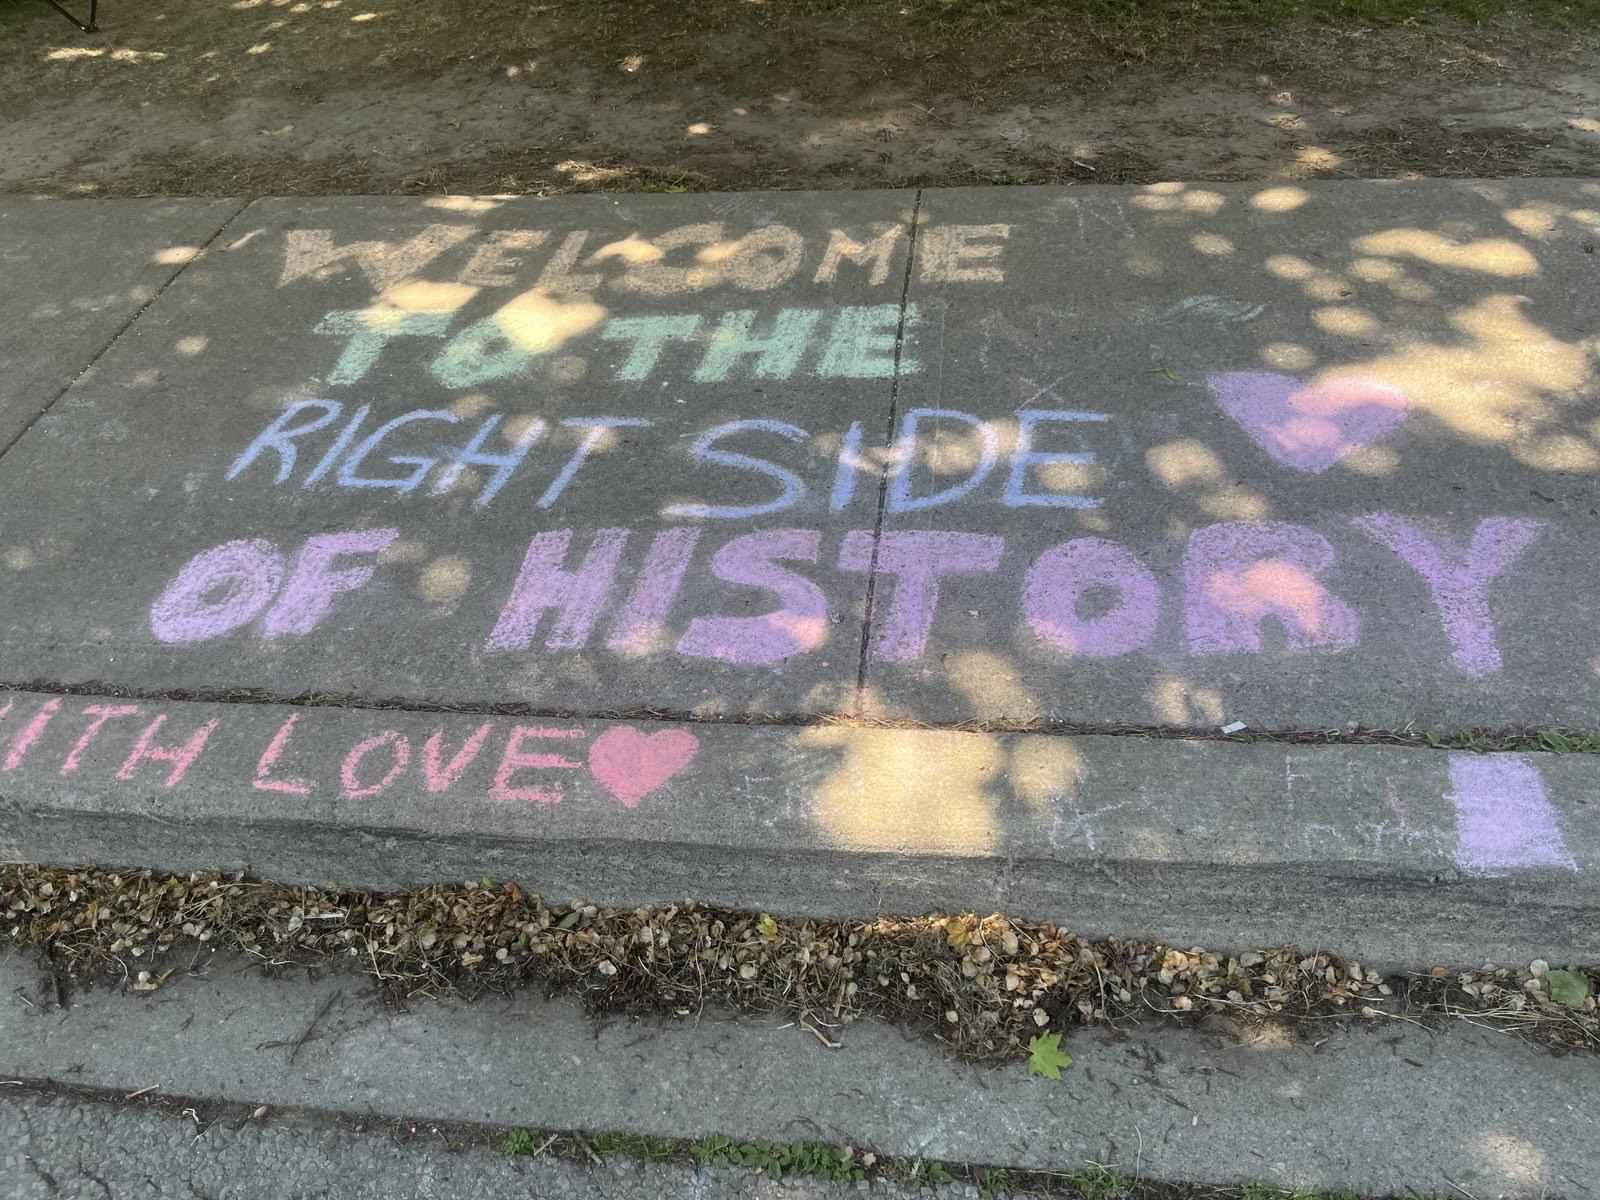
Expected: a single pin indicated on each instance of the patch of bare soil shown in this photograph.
(249, 97)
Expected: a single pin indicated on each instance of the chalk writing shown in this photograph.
(1503, 817)
(1307, 428)
(527, 764)
(319, 441)
(692, 258)
(1242, 586)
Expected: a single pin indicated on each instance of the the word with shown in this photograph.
(521, 763)
(1087, 597)
(353, 450)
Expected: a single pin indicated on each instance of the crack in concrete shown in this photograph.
(126, 325)
(1507, 739)
(883, 473)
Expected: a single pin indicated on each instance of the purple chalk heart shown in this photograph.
(1308, 428)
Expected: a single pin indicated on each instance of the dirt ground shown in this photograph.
(248, 97)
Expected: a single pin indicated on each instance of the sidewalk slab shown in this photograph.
(1298, 456)
(75, 272)
(1226, 844)
(512, 417)
(1294, 455)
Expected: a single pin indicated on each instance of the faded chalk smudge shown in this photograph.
(1503, 817)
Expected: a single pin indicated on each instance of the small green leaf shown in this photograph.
(1167, 371)
(766, 926)
(1569, 988)
(568, 921)
(1045, 1056)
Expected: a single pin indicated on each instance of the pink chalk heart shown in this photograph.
(1308, 428)
(633, 764)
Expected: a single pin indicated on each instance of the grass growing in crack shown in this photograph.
(846, 1164)
(992, 1182)
(634, 1145)
(1098, 1182)
(517, 1143)
(777, 1159)
(1554, 741)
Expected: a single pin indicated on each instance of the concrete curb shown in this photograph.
(1226, 844)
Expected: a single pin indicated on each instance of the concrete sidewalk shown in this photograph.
(1382, 1110)
(749, 472)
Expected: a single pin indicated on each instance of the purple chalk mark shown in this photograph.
(1061, 575)
(313, 584)
(1459, 579)
(1238, 574)
(1503, 817)
(797, 626)
(542, 583)
(644, 614)
(1307, 428)
(917, 559)
(217, 591)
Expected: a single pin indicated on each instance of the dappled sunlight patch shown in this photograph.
(922, 792)
(1287, 356)
(463, 204)
(1043, 771)
(1533, 220)
(120, 54)
(1376, 270)
(426, 296)
(1345, 321)
(1507, 379)
(537, 323)
(1191, 467)
(989, 682)
(1289, 266)
(1174, 700)
(1557, 452)
(1279, 199)
(445, 579)
(1511, 1159)
(1273, 588)
(1372, 461)
(1491, 256)
(1316, 158)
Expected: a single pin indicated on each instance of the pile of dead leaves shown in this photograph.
(984, 985)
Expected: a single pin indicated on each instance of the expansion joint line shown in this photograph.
(884, 471)
(124, 327)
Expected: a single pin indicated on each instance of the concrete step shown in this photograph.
(1231, 845)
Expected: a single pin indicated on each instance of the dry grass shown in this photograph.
(982, 985)
(251, 97)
